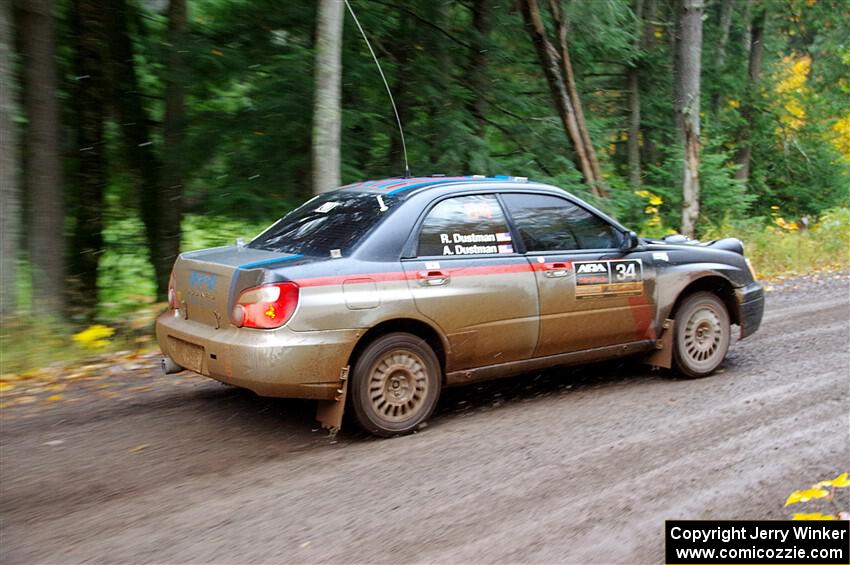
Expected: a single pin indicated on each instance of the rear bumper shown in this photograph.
(750, 307)
(281, 362)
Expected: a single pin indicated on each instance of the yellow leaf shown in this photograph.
(840, 481)
(54, 397)
(138, 448)
(813, 516)
(6, 386)
(216, 52)
(94, 337)
(806, 495)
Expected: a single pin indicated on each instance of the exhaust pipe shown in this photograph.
(169, 366)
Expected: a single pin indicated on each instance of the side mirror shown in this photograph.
(630, 241)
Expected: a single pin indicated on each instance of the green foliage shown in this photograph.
(200, 232)
(125, 277)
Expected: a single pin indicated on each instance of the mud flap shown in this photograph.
(663, 354)
(329, 412)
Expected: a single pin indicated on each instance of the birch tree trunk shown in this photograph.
(326, 111)
(10, 223)
(42, 166)
(689, 49)
(745, 150)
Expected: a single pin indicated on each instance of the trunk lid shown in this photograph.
(206, 282)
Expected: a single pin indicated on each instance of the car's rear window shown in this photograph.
(331, 224)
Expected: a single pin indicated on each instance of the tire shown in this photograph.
(395, 384)
(702, 334)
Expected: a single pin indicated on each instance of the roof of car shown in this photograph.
(402, 186)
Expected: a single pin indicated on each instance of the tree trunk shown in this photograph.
(746, 38)
(400, 49)
(745, 150)
(42, 168)
(647, 44)
(633, 143)
(726, 9)
(326, 111)
(476, 76)
(143, 163)
(689, 48)
(171, 196)
(89, 106)
(10, 224)
(569, 75)
(553, 72)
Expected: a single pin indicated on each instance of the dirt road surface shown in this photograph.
(566, 466)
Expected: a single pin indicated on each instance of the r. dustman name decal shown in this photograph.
(618, 277)
(454, 243)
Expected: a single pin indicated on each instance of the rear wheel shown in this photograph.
(395, 384)
(701, 335)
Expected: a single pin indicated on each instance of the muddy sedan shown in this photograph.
(377, 295)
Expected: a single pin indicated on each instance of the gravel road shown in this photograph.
(579, 466)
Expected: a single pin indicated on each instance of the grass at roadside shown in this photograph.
(784, 249)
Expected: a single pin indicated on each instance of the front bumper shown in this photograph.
(750, 307)
(280, 362)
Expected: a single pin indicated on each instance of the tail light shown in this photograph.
(172, 293)
(268, 306)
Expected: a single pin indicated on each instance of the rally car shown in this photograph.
(378, 294)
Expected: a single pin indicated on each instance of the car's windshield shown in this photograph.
(329, 225)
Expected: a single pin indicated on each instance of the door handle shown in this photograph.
(556, 270)
(432, 278)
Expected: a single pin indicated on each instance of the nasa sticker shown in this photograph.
(617, 277)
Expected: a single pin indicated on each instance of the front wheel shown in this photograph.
(701, 335)
(395, 385)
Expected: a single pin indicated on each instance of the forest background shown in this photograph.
(133, 129)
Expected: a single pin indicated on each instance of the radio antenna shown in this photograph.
(389, 92)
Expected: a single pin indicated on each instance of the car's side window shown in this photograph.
(465, 225)
(549, 223)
